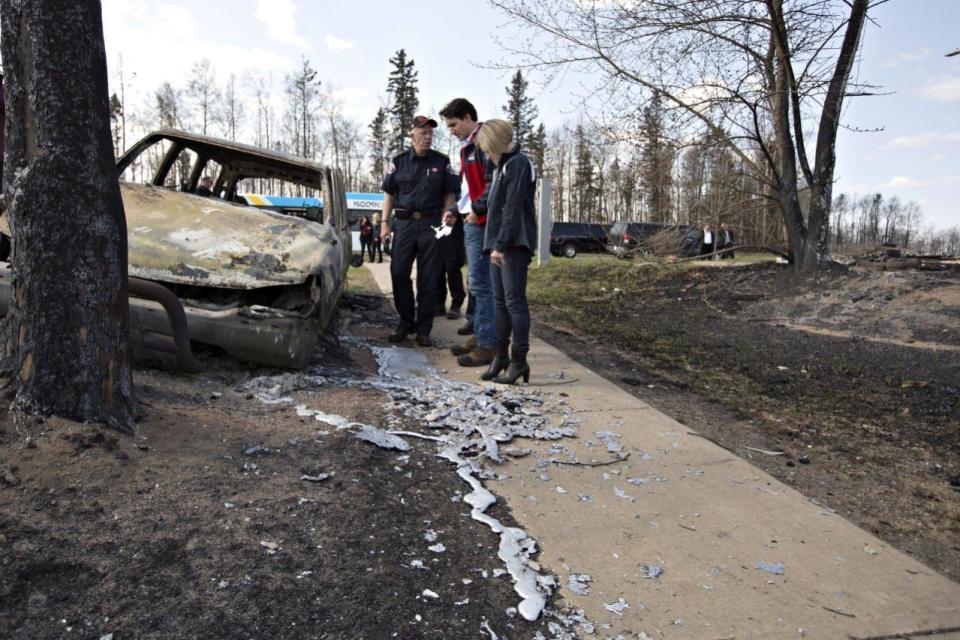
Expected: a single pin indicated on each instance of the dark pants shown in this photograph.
(375, 249)
(415, 240)
(706, 249)
(364, 247)
(452, 256)
(510, 294)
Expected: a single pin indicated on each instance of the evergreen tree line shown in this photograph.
(597, 175)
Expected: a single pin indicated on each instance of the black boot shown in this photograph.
(518, 367)
(500, 362)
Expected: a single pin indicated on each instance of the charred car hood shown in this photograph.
(187, 239)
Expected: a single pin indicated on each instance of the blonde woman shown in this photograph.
(510, 238)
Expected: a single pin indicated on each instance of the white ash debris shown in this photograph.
(609, 439)
(365, 432)
(320, 477)
(485, 628)
(617, 607)
(651, 571)
(620, 493)
(275, 389)
(570, 625)
(579, 583)
(430, 535)
(475, 421)
(381, 438)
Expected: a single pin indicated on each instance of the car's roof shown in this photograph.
(221, 150)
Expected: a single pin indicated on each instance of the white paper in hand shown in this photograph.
(442, 231)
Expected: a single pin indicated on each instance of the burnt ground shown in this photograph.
(827, 369)
(176, 532)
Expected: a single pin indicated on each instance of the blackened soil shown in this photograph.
(869, 429)
(178, 533)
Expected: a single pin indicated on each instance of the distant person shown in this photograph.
(476, 172)
(366, 237)
(510, 238)
(376, 246)
(206, 187)
(452, 258)
(706, 243)
(725, 239)
(418, 187)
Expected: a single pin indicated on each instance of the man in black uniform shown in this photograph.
(419, 185)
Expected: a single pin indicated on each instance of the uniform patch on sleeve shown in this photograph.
(391, 168)
(450, 169)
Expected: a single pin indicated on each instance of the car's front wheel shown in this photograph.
(569, 250)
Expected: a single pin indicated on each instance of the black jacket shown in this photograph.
(511, 214)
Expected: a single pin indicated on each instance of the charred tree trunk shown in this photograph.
(68, 326)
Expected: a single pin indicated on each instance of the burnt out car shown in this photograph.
(259, 284)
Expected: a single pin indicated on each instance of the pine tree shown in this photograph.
(402, 87)
(520, 110)
(116, 122)
(583, 187)
(537, 148)
(656, 164)
(378, 143)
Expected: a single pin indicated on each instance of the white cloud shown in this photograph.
(279, 17)
(162, 42)
(337, 44)
(905, 182)
(924, 139)
(913, 56)
(946, 89)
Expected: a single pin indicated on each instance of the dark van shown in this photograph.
(570, 238)
(628, 239)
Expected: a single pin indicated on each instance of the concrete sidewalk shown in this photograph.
(706, 517)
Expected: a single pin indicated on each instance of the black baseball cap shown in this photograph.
(423, 121)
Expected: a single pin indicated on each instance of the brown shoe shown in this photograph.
(465, 348)
(479, 357)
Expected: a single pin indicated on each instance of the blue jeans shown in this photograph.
(478, 281)
(510, 290)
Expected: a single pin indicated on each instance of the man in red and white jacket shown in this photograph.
(460, 117)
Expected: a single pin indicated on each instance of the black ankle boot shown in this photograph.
(518, 367)
(500, 362)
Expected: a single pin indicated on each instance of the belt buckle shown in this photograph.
(417, 215)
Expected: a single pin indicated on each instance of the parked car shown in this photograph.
(257, 283)
(628, 239)
(570, 238)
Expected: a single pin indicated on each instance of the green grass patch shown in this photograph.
(361, 282)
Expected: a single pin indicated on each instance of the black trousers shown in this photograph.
(375, 249)
(453, 255)
(415, 240)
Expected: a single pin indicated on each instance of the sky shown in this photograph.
(905, 144)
